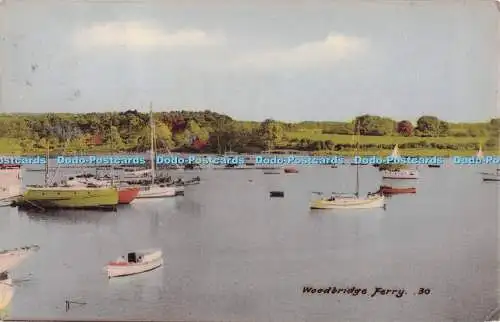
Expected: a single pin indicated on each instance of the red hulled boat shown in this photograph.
(396, 190)
(127, 194)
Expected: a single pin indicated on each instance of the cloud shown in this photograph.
(331, 50)
(138, 35)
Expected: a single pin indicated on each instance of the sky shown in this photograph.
(252, 60)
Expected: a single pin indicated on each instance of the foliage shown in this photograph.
(177, 130)
(405, 128)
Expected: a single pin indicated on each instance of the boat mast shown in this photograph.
(152, 150)
(46, 176)
(357, 163)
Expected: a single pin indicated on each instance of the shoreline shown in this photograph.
(343, 153)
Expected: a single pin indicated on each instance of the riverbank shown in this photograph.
(345, 153)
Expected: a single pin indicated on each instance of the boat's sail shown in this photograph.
(395, 152)
(480, 153)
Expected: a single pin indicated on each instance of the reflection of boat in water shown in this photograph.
(135, 263)
(6, 290)
(11, 258)
(65, 217)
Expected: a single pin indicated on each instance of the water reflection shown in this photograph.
(73, 217)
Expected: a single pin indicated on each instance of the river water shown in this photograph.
(234, 254)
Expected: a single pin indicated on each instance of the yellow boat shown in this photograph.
(70, 197)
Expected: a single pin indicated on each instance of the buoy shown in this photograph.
(276, 194)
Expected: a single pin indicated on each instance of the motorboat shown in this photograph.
(135, 263)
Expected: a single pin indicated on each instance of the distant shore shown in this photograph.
(344, 153)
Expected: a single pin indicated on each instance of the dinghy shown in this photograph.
(135, 263)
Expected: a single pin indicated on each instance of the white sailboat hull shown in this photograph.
(401, 174)
(157, 192)
(153, 261)
(12, 258)
(6, 293)
(349, 203)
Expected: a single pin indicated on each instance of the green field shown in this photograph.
(348, 139)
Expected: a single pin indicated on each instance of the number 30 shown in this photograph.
(425, 291)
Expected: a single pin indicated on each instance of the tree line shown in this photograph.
(207, 131)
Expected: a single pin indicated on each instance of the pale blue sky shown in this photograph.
(252, 60)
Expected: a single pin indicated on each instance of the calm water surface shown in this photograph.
(232, 253)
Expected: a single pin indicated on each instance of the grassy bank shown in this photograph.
(407, 152)
(348, 139)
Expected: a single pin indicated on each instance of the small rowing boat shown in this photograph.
(135, 263)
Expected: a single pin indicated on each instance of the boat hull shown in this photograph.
(491, 177)
(6, 293)
(157, 192)
(399, 174)
(119, 269)
(127, 195)
(71, 198)
(10, 259)
(392, 190)
(349, 203)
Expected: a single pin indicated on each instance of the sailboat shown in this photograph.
(480, 153)
(349, 200)
(68, 197)
(155, 190)
(488, 176)
(399, 174)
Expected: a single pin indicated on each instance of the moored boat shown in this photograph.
(291, 170)
(11, 258)
(491, 177)
(135, 263)
(396, 190)
(156, 191)
(350, 200)
(345, 201)
(126, 194)
(6, 290)
(69, 197)
(399, 173)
